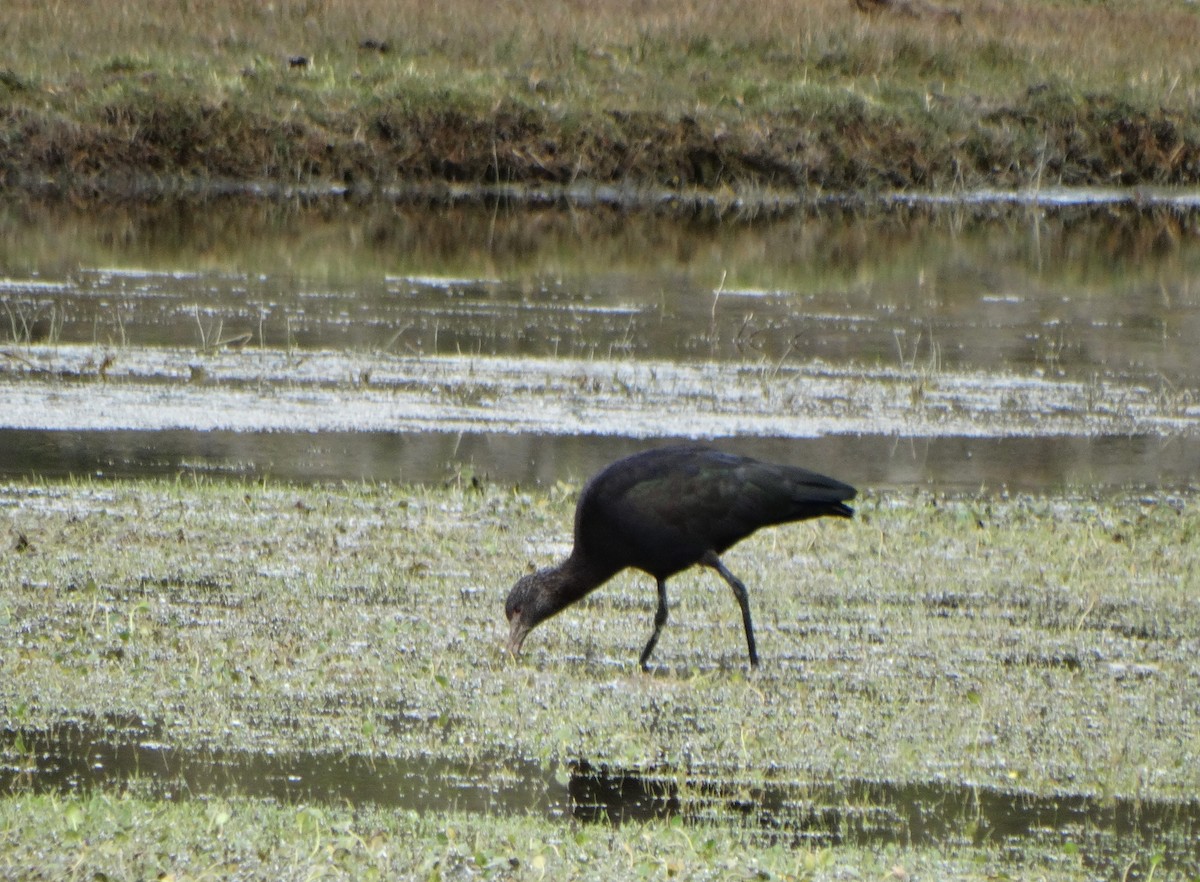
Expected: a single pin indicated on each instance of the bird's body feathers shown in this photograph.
(664, 510)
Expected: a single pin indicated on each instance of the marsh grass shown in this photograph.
(137, 597)
(691, 95)
(1035, 644)
(30, 320)
(111, 835)
(592, 51)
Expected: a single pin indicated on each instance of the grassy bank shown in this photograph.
(1041, 647)
(691, 96)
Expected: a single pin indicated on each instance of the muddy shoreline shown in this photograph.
(523, 155)
(753, 203)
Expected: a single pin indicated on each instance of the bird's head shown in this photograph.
(535, 597)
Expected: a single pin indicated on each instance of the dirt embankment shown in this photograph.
(1040, 139)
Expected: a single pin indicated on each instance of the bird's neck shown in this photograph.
(577, 576)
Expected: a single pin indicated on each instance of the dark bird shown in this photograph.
(662, 511)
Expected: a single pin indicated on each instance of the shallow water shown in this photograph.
(1028, 349)
(1070, 292)
(952, 464)
(78, 757)
(960, 347)
(918, 814)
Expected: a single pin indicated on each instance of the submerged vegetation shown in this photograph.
(821, 97)
(1039, 647)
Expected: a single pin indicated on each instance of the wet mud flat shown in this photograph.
(1009, 679)
(321, 414)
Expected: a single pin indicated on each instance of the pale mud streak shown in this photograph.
(62, 388)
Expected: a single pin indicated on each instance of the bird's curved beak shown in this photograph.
(517, 629)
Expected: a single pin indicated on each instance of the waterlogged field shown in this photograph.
(263, 679)
(270, 471)
(270, 468)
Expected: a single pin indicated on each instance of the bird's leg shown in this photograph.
(660, 619)
(743, 599)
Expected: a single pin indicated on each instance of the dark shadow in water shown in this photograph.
(949, 463)
(1121, 835)
(1109, 835)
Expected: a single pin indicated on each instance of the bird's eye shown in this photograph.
(514, 611)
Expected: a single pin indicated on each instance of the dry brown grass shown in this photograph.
(1145, 45)
(783, 93)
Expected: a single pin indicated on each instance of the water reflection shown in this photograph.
(78, 757)
(864, 812)
(1076, 291)
(1108, 292)
(954, 464)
